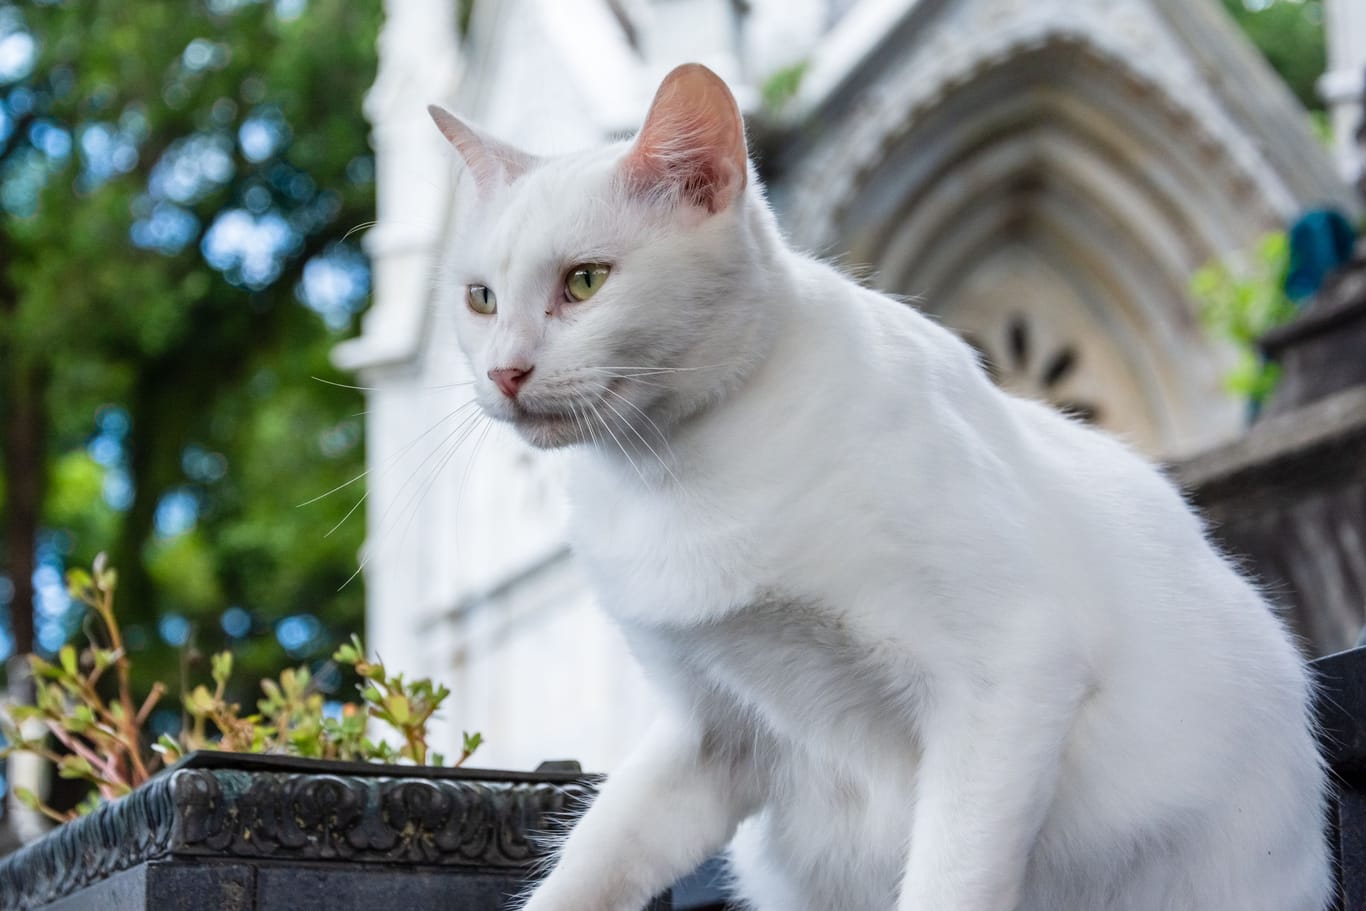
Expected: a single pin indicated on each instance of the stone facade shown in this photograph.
(1061, 169)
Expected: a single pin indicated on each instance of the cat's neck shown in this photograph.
(817, 322)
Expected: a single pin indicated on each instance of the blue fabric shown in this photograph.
(1321, 241)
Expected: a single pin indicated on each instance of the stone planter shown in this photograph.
(232, 832)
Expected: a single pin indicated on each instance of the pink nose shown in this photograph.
(510, 379)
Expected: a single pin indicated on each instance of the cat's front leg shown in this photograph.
(989, 772)
(673, 803)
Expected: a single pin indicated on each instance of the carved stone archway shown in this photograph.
(1047, 185)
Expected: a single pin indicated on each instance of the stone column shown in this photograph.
(1343, 86)
(419, 63)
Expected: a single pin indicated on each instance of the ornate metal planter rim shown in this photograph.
(281, 809)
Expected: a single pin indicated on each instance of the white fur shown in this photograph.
(926, 646)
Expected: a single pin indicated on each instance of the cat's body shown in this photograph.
(928, 646)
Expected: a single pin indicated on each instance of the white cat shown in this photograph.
(926, 646)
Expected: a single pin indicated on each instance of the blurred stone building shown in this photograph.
(1043, 175)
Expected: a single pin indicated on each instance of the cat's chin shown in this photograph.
(547, 431)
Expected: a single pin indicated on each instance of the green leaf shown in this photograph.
(42, 669)
(1240, 299)
(78, 583)
(201, 700)
(75, 767)
(90, 803)
(398, 708)
(222, 668)
(67, 656)
(781, 87)
(82, 718)
(109, 579)
(51, 700)
(27, 798)
(169, 749)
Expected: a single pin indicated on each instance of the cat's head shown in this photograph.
(609, 294)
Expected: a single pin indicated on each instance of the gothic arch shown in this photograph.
(1048, 169)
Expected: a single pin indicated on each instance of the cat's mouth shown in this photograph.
(552, 422)
(538, 418)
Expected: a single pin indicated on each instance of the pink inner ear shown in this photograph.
(692, 147)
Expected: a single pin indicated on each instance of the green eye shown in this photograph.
(481, 300)
(585, 280)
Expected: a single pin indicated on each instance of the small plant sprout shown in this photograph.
(1241, 298)
(92, 729)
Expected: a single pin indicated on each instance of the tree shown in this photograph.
(1289, 33)
(177, 181)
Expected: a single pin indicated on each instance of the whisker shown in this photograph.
(377, 389)
(662, 438)
(389, 219)
(420, 496)
(441, 447)
(392, 459)
(657, 368)
(365, 496)
(633, 377)
(628, 424)
(608, 427)
(585, 428)
(343, 385)
(360, 227)
(461, 425)
(592, 431)
(464, 478)
(578, 425)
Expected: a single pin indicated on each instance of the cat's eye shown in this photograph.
(481, 300)
(584, 280)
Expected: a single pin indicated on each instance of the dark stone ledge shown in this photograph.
(273, 813)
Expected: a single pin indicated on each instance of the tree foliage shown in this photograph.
(177, 180)
(1289, 33)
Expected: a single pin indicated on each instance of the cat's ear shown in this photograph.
(492, 163)
(692, 146)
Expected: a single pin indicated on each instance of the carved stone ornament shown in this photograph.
(274, 809)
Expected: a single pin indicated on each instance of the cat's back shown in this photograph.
(1006, 493)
